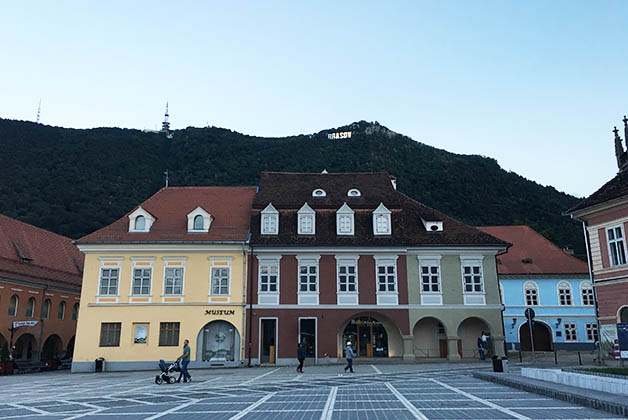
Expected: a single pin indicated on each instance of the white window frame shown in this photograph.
(17, 304)
(559, 295)
(586, 286)
(217, 263)
(106, 263)
(430, 297)
(268, 297)
(304, 213)
(173, 262)
(473, 297)
(347, 297)
(308, 297)
(591, 331)
(142, 263)
(531, 286)
(345, 212)
(382, 212)
(319, 192)
(61, 310)
(568, 328)
(271, 214)
(207, 220)
(149, 219)
(387, 297)
(354, 192)
(614, 243)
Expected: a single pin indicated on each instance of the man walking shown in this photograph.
(349, 355)
(300, 357)
(185, 361)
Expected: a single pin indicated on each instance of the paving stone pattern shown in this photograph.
(374, 392)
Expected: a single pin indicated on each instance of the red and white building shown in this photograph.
(604, 216)
(40, 280)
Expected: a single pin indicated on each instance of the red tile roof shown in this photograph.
(229, 207)
(541, 255)
(35, 255)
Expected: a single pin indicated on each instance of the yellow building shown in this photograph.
(174, 268)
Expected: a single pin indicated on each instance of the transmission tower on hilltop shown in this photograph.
(38, 111)
(165, 126)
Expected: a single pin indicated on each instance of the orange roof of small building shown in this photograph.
(229, 207)
(532, 253)
(35, 255)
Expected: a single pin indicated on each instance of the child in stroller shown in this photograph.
(166, 370)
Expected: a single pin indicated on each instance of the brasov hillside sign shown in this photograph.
(341, 135)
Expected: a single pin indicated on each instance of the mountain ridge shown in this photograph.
(73, 181)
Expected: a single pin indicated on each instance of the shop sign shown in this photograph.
(219, 312)
(341, 135)
(622, 335)
(17, 324)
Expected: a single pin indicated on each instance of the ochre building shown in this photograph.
(171, 269)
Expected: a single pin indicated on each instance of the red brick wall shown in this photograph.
(366, 280)
(327, 280)
(611, 297)
(604, 247)
(288, 274)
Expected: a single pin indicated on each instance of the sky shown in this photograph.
(537, 85)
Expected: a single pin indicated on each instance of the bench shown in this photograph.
(29, 367)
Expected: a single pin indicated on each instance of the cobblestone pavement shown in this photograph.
(425, 391)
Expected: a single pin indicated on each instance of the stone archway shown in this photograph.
(372, 335)
(542, 337)
(430, 338)
(218, 343)
(52, 348)
(25, 347)
(69, 352)
(469, 330)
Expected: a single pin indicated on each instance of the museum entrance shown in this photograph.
(268, 335)
(220, 342)
(368, 337)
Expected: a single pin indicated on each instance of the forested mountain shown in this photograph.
(74, 181)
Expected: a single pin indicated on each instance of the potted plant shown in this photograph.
(6, 365)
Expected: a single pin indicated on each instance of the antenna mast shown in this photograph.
(38, 111)
(167, 178)
(165, 126)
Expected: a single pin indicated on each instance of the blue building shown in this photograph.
(535, 273)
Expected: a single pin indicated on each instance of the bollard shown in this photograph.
(579, 359)
(520, 358)
(555, 357)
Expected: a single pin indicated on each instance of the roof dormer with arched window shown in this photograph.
(140, 220)
(345, 224)
(270, 220)
(381, 221)
(199, 221)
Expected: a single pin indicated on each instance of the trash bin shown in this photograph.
(497, 364)
(505, 364)
(99, 364)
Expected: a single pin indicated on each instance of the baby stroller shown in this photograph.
(166, 370)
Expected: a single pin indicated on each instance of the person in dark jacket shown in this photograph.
(349, 354)
(481, 349)
(300, 357)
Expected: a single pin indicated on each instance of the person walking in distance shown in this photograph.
(481, 348)
(300, 357)
(185, 361)
(349, 355)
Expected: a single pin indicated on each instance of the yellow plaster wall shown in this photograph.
(190, 313)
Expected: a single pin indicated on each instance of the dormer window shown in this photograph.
(354, 192)
(199, 220)
(319, 193)
(270, 220)
(140, 220)
(432, 226)
(306, 220)
(344, 220)
(381, 221)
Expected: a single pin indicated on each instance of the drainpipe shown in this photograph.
(249, 328)
(245, 331)
(503, 304)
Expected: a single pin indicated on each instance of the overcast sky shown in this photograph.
(537, 85)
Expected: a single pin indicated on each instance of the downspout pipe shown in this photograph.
(250, 311)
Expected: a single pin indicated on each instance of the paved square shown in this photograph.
(423, 391)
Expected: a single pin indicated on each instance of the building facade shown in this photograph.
(346, 257)
(40, 284)
(174, 268)
(536, 274)
(604, 217)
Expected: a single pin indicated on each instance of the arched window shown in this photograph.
(140, 223)
(13, 305)
(75, 309)
(531, 292)
(30, 308)
(586, 292)
(46, 312)
(198, 223)
(623, 315)
(61, 312)
(564, 294)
